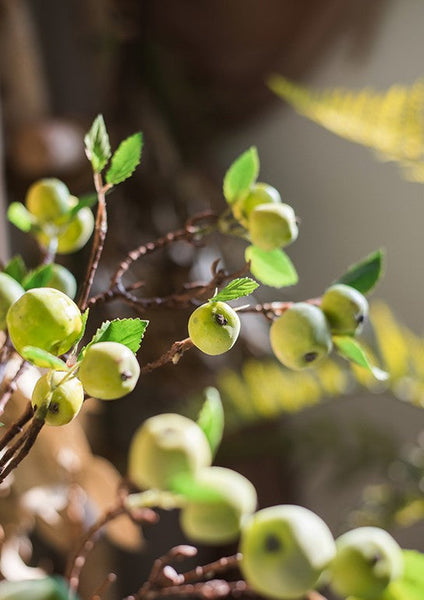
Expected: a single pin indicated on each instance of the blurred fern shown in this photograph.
(264, 389)
(390, 122)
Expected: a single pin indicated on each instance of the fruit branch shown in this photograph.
(16, 427)
(25, 443)
(11, 386)
(172, 355)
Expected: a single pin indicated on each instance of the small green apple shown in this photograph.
(218, 520)
(272, 226)
(10, 291)
(109, 370)
(73, 235)
(66, 399)
(345, 308)
(261, 193)
(214, 327)
(367, 560)
(45, 318)
(284, 550)
(165, 446)
(300, 336)
(48, 200)
(61, 279)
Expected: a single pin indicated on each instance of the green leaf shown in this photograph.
(129, 332)
(211, 418)
(16, 268)
(352, 350)
(42, 358)
(411, 585)
(241, 175)
(86, 200)
(272, 268)
(97, 145)
(242, 286)
(186, 486)
(84, 318)
(364, 275)
(20, 217)
(125, 159)
(39, 277)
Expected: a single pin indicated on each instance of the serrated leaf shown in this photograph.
(352, 350)
(241, 175)
(97, 145)
(125, 159)
(364, 275)
(211, 418)
(411, 585)
(39, 277)
(16, 268)
(272, 268)
(129, 332)
(42, 358)
(242, 286)
(189, 488)
(20, 216)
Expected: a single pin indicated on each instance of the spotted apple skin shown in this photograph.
(214, 327)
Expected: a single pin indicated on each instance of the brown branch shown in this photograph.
(210, 570)
(172, 355)
(16, 427)
(29, 439)
(98, 242)
(209, 590)
(102, 588)
(11, 386)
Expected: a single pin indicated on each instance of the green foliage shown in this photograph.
(352, 350)
(16, 268)
(242, 286)
(211, 418)
(88, 200)
(364, 275)
(125, 159)
(129, 332)
(39, 277)
(97, 145)
(187, 486)
(241, 175)
(390, 122)
(273, 268)
(20, 217)
(42, 358)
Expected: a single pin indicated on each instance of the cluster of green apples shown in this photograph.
(270, 222)
(48, 319)
(286, 550)
(303, 334)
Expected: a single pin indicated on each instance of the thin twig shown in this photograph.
(11, 386)
(16, 427)
(212, 569)
(172, 355)
(30, 437)
(101, 589)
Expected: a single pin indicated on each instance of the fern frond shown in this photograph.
(391, 123)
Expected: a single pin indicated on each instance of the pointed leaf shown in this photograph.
(39, 277)
(211, 418)
(20, 217)
(125, 159)
(352, 350)
(272, 268)
(129, 332)
(241, 175)
(187, 486)
(42, 358)
(97, 145)
(242, 286)
(364, 275)
(16, 268)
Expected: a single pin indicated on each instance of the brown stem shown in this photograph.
(16, 427)
(98, 242)
(172, 355)
(210, 590)
(11, 386)
(210, 570)
(101, 589)
(30, 437)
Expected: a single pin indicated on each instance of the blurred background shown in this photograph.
(191, 75)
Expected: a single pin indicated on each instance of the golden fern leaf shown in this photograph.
(391, 123)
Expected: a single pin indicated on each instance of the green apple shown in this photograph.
(66, 398)
(300, 337)
(61, 279)
(10, 291)
(284, 550)
(165, 446)
(73, 235)
(367, 560)
(109, 370)
(272, 226)
(214, 327)
(45, 318)
(261, 193)
(48, 588)
(48, 200)
(218, 520)
(345, 308)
